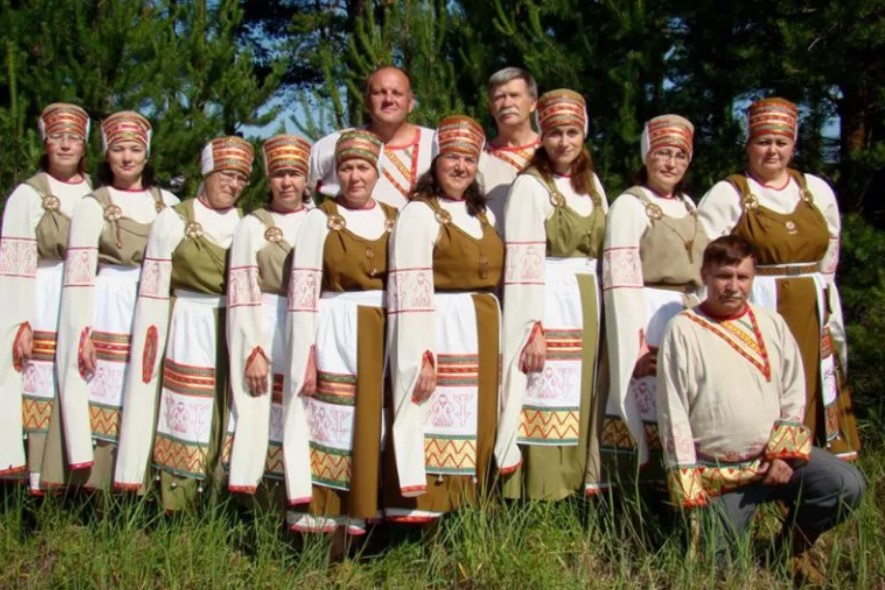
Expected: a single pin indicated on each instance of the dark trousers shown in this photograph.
(821, 493)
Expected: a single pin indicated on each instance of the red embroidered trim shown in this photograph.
(412, 519)
(83, 465)
(409, 491)
(17, 363)
(13, 470)
(149, 356)
(127, 487)
(243, 489)
(297, 501)
(765, 366)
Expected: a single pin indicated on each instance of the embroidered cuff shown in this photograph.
(686, 486)
(788, 440)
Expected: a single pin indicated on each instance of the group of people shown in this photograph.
(420, 318)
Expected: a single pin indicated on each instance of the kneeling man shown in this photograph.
(731, 401)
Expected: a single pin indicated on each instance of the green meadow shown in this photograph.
(76, 541)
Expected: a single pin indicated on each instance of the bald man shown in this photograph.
(407, 147)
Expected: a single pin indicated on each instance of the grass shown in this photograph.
(120, 542)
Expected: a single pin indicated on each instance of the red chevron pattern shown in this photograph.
(788, 440)
(616, 435)
(105, 422)
(549, 426)
(651, 435)
(450, 455)
(179, 457)
(227, 448)
(330, 468)
(35, 414)
(274, 465)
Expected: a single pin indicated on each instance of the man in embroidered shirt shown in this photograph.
(513, 97)
(407, 147)
(731, 398)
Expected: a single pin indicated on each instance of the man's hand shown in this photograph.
(777, 472)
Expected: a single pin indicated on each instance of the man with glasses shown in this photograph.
(186, 263)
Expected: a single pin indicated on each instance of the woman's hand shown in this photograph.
(23, 346)
(87, 357)
(426, 380)
(257, 371)
(310, 375)
(534, 354)
(647, 363)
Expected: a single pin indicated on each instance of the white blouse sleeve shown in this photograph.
(75, 324)
(304, 294)
(18, 271)
(825, 200)
(149, 331)
(720, 209)
(625, 310)
(412, 334)
(528, 206)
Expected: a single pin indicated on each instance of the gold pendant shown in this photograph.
(689, 249)
(483, 266)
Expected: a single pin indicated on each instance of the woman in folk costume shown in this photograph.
(336, 375)
(33, 243)
(792, 221)
(554, 225)
(109, 233)
(257, 317)
(446, 262)
(654, 243)
(185, 259)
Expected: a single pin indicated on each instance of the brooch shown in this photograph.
(654, 212)
(51, 203)
(112, 213)
(336, 223)
(273, 234)
(443, 217)
(193, 230)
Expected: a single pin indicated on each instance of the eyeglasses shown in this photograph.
(666, 155)
(231, 177)
(63, 137)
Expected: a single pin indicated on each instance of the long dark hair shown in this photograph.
(581, 176)
(682, 187)
(104, 176)
(429, 185)
(43, 165)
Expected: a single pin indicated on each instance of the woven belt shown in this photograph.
(786, 270)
